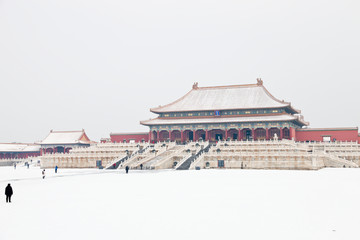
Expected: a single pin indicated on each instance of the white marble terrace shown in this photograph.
(273, 154)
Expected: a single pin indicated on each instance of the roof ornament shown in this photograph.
(195, 85)
(259, 82)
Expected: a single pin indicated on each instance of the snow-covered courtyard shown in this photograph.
(205, 204)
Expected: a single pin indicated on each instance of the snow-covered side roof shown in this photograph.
(129, 133)
(19, 147)
(66, 137)
(32, 148)
(167, 121)
(251, 96)
(328, 129)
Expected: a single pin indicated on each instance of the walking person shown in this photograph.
(43, 173)
(8, 193)
(14, 165)
(56, 168)
(141, 166)
(127, 169)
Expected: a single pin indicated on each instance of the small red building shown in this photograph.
(64, 141)
(129, 137)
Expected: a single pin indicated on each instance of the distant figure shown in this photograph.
(56, 168)
(114, 165)
(27, 165)
(127, 169)
(43, 173)
(141, 166)
(14, 165)
(8, 193)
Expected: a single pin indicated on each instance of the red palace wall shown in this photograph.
(137, 137)
(303, 135)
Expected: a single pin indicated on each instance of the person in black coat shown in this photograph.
(127, 169)
(8, 193)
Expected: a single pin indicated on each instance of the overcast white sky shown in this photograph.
(100, 65)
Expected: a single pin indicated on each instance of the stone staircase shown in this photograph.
(187, 163)
(337, 162)
(165, 156)
(116, 163)
(149, 154)
(120, 161)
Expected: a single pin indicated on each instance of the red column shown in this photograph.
(182, 136)
(281, 134)
(158, 136)
(206, 135)
(253, 133)
(194, 132)
(226, 134)
(292, 133)
(54, 150)
(239, 135)
(267, 134)
(170, 135)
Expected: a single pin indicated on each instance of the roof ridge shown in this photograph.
(66, 131)
(228, 86)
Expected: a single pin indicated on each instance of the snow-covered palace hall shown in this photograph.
(240, 112)
(240, 126)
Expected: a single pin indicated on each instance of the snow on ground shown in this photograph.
(205, 204)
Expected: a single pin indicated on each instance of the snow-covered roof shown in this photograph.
(130, 133)
(251, 96)
(32, 148)
(169, 121)
(66, 137)
(329, 129)
(19, 147)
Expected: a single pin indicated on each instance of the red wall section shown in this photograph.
(303, 135)
(120, 137)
